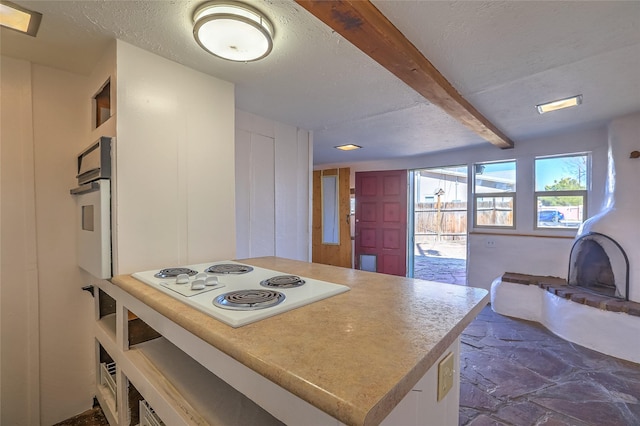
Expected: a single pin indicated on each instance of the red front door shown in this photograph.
(381, 222)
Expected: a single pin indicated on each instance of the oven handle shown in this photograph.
(87, 187)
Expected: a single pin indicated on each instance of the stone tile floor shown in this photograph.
(517, 373)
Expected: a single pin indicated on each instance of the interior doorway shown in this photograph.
(331, 228)
(438, 224)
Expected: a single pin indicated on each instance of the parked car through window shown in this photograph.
(553, 216)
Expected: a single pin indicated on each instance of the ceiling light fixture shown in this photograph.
(348, 147)
(19, 19)
(233, 31)
(559, 104)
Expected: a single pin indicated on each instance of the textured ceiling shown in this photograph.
(504, 57)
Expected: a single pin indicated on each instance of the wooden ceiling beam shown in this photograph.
(362, 24)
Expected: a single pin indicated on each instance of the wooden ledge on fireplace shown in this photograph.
(560, 288)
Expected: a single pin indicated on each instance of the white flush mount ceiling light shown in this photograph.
(233, 31)
(19, 19)
(559, 104)
(347, 147)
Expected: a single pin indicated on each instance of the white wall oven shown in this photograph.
(93, 208)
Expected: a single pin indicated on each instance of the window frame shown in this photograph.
(505, 194)
(584, 193)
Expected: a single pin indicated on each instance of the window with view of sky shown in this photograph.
(560, 190)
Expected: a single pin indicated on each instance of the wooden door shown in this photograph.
(381, 222)
(338, 253)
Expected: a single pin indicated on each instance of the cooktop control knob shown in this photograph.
(182, 279)
(211, 281)
(197, 285)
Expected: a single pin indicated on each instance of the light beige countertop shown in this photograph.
(354, 355)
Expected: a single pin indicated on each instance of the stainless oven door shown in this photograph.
(93, 229)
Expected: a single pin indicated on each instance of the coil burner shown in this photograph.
(283, 281)
(174, 272)
(229, 268)
(248, 300)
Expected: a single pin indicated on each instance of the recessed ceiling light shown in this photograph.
(348, 147)
(559, 104)
(233, 31)
(19, 19)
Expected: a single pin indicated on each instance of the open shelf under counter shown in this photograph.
(106, 318)
(184, 392)
(108, 324)
(107, 383)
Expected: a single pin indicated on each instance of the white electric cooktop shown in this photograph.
(281, 291)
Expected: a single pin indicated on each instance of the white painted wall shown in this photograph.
(534, 255)
(526, 254)
(273, 181)
(19, 345)
(175, 173)
(45, 116)
(65, 343)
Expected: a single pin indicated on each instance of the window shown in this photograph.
(495, 194)
(561, 191)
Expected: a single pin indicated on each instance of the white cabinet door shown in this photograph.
(255, 195)
(273, 186)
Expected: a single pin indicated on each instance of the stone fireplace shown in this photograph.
(600, 308)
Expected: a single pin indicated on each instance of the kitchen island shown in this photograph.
(353, 357)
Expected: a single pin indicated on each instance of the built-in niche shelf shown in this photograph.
(102, 104)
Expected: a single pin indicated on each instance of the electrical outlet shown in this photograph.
(445, 376)
(490, 243)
